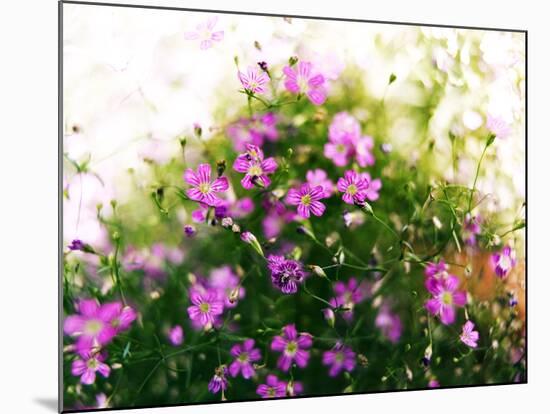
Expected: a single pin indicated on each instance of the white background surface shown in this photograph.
(28, 205)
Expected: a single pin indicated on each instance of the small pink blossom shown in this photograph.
(204, 190)
(204, 307)
(319, 177)
(255, 167)
(446, 297)
(204, 32)
(87, 365)
(293, 347)
(468, 335)
(353, 186)
(254, 80)
(504, 261)
(307, 200)
(498, 126)
(175, 335)
(302, 80)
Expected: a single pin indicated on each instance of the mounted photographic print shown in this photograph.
(265, 206)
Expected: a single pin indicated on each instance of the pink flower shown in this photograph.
(293, 347)
(319, 177)
(307, 200)
(96, 325)
(205, 307)
(348, 295)
(504, 261)
(254, 80)
(353, 186)
(203, 190)
(389, 323)
(273, 388)
(436, 270)
(446, 297)
(245, 354)
(253, 130)
(363, 151)
(302, 80)
(205, 33)
(227, 285)
(468, 335)
(252, 164)
(340, 358)
(176, 335)
(374, 186)
(86, 367)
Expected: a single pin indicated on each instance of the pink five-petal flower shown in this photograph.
(307, 200)
(340, 358)
(256, 168)
(302, 80)
(254, 80)
(319, 177)
(87, 365)
(245, 354)
(273, 388)
(175, 335)
(205, 33)
(292, 346)
(353, 186)
(446, 297)
(202, 189)
(374, 186)
(468, 335)
(205, 307)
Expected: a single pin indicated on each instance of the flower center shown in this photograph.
(206, 34)
(339, 357)
(204, 188)
(92, 363)
(255, 170)
(302, 83)
(352, 189)
(306, 200)
(340, 148)
(447, 298)
(204, 307)
(243, 357)
(271, 392)
(291, 348)
(93, 327)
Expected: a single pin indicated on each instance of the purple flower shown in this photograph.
(468, 335)
(302, 80)
(205, 307)
(353, 186)
(318, 177)
(175, 335)
(504, 261)
(345, 142)
(445, 297)
(219, 381)
(254, 80)
(307, 200)
(205, 33)
(77, 245)
(273, 388)
(227, 285)
(433, 383)
(286, 274)
(189, 230)
(203, 190)
(96, 325)
(244, 355)
(471, 230)
(340, 358)
(389, 323)
(252, 164)
(86, 367)
(374, 186)
(293, 347)
(348, 295)
(436, 270)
